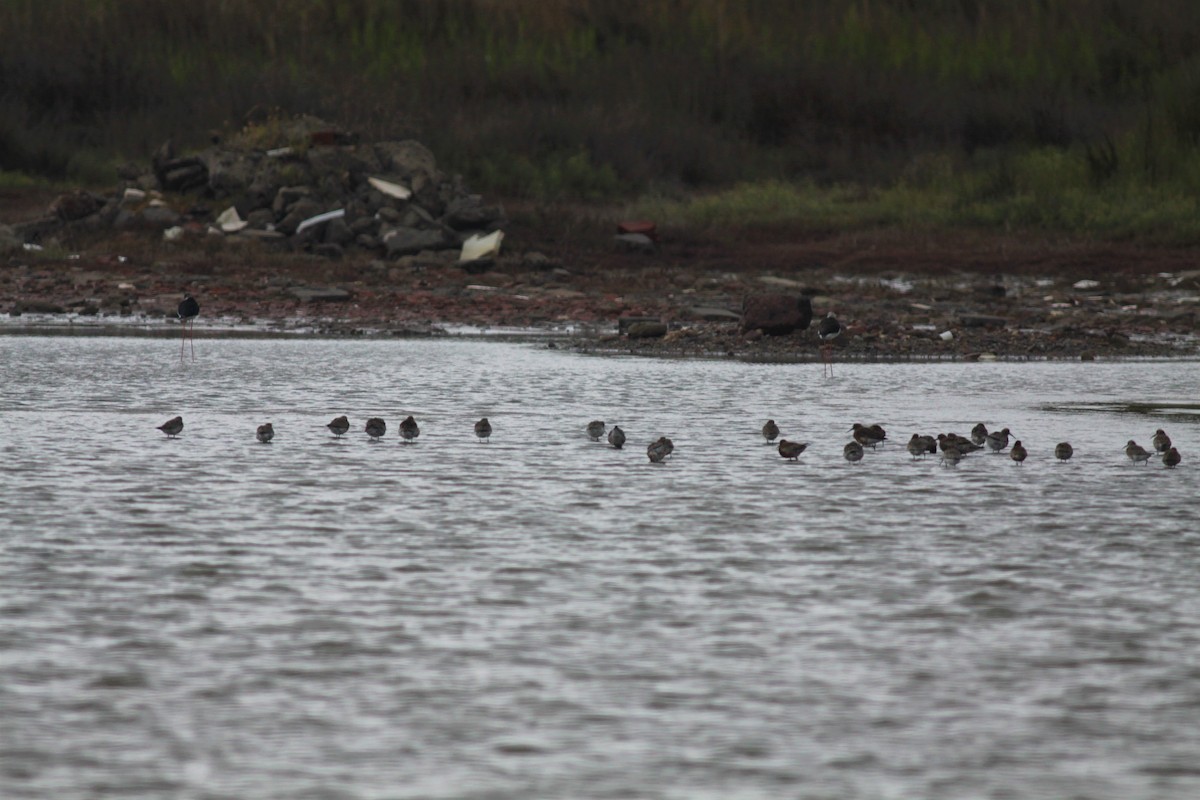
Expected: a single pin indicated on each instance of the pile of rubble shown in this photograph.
(321, 192)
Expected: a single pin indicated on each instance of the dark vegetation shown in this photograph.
(1081, 116)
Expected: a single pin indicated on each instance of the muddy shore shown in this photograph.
(900, 295)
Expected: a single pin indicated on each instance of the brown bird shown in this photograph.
(659, 449)
(770, 430)
(979, 433)
(1063, 451)
(376, 428)
(1161, 442)
(919, 446)
(595, 429)
(1171, 458)
(265, 433)
(1136, 452)
(791, 450)
(997, 440)
(868, 437)
(1017, 453)
(616, 437)
(409, 429)
(172, 427)
(339, 426)
(483, 429)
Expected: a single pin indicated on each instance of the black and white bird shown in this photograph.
(188, 310)
(827, 331)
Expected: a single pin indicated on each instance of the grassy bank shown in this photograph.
(1016, 113)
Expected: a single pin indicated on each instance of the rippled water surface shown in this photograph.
(543, 616)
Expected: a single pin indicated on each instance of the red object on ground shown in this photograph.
(644, 227)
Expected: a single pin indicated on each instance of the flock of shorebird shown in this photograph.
(953, 448)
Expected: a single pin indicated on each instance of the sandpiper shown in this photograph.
(1063, 451)
(827, 331)
(1136, 452)
(616, 437)
(172, 427)
(852, 452)
(868, 437)
(791, 450)
(483, 429)
(409, 429)
(951, 455)
(770, 430)
(1171, 458)
(1161, 442)
(979, 433)
(1017, 453)
(265, 433)
(376, 428)
(919, 446)
(595, 429)
(659, 449)
(338, 426)
(952, 441)
(997, 440)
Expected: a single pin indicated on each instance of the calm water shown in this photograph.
(542, 616)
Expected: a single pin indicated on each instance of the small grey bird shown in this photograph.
(659, 449)
(951, 455)
(1161, 442)
(265, 433)
(338, 426)
(997, 440)
(595, 429)
(1171, 458)
(483, 429)
(1063, 451)
(409, 429)
(979, 433)
(852, 452)
(919, 446)
(1136, 452)
(791, 450)
(770, 430)
(1018, 453)
(172, 427)
(616, 437)
(376, 428)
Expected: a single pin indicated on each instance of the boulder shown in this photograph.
(646, 330)
(776, 314)
(410, 241)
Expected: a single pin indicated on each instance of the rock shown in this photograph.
(158, 217)
(75, 205)
(313, 295)
(646, 330)
(710, 314)
(776, 314)
(9, 241)
(329, 250)
(981, 321)
(299, 211)
(468, 212)
(410, 241)
(635, 242)
(405, 160)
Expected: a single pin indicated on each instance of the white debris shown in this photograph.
(946, 336)
(172, 234)
(390, 189)
(319, 218)
(32, 246)
(1086, 283)
(481, 246)
(279, 152)
(230, 222)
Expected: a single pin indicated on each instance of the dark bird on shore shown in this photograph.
(339, 426)
(791, 450)
(1018, 453)
(919, 446)
(188, 310)
(998, 440)
(827, 331)
(852, 452)
(659, 449)
(1171, 458)
(483, 429)
(265, 433)
(1136, 452)
(376, 428)
(595, 429)
(951, 455)
(616, 437)
(960, 443)
(1063, 451)
(868, 437)
(409, 429)
(172, 427)
(979, 433)
(1161, 442)
(770, 430)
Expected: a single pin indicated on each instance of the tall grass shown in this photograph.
(605, 98)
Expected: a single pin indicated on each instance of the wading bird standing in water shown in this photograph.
(827, 331)
(188, 310)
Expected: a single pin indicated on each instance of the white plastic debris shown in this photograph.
(279, 152)
(172, 234)
(132, 195)
(390, 189)
(1086, 283)
(230, 222)
(946, 336)
(481, 246)
(319, 218)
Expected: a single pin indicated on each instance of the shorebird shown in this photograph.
(770, 430)
(483, 429)
(1136, 452)
(919, 446)
(852, 452)
(659, 449)
(791, 450)
(951, 455)
(1171, 458)
(997, 440)
(339, 426)
(1161, 442)
(409, 429)
(979, 433)
(1017, 453)
(1063, 451)
(595, 429)
(172, 427)
(376, 428)
(868, 437)
(616, 437)
(265, 433)
(188, 310)
(827, 331)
